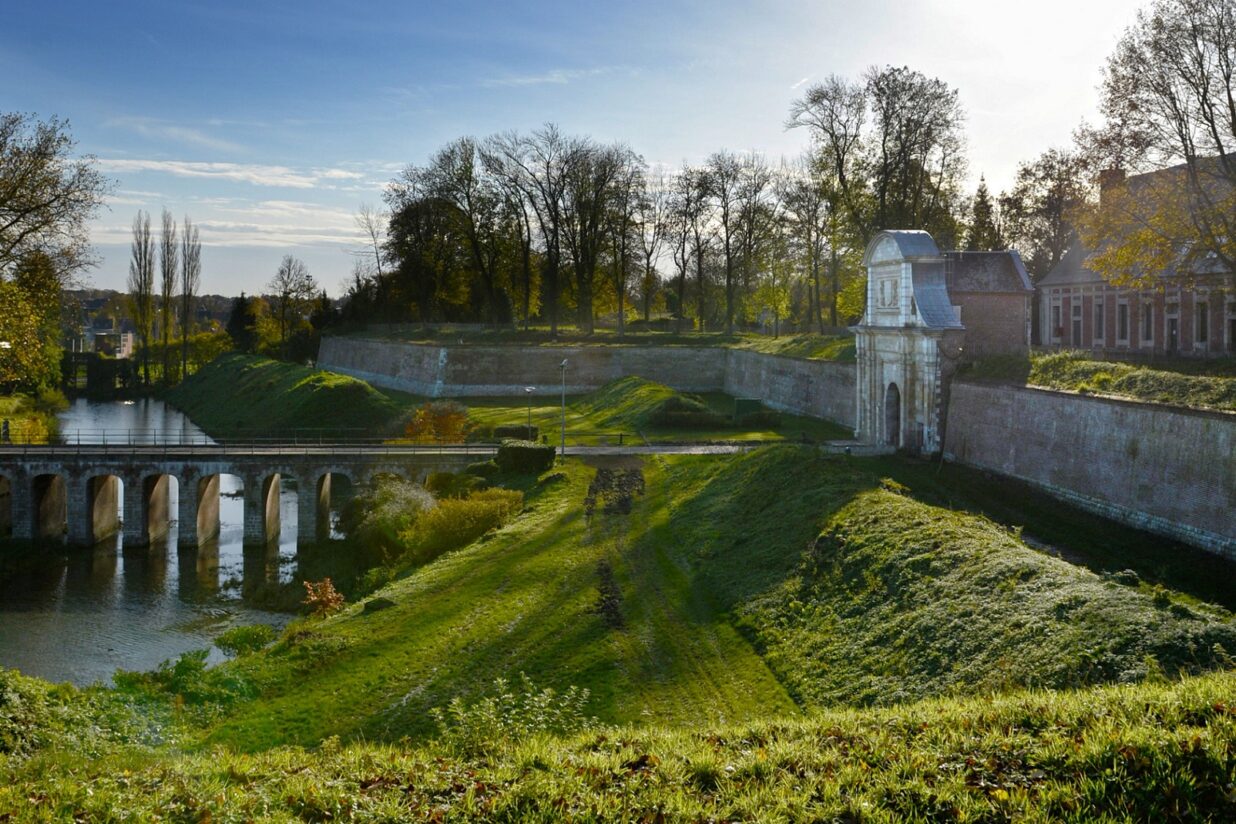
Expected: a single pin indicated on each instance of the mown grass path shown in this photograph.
(523, 600)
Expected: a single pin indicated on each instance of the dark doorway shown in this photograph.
(1173, 334)
(892, 415)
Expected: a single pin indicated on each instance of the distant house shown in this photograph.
(1189, 310)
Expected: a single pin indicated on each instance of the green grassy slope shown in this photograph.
(626, 406)
(747, 584)
(523, 600)
(1206, 383)
(238, 395)
(1160, 752)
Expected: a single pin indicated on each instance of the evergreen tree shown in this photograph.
(984, 233)
(240, 324)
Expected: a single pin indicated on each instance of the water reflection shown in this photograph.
(80, 615)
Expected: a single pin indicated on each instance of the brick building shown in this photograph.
(1193, 315)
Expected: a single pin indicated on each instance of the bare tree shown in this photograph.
(168, 270)
(757, 218)
(628, 191)
(723, 182)
(538, 165)
(372, 225)
(190, 282)
(804, 203)
(141, 286)
(292, 287)
(590, 181)
(651, 218)
(834, 113)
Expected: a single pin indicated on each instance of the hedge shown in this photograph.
(524, 457)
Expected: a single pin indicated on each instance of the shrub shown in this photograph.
(510, 715)
(524, 457)
(322, 598)
(518, 432)
(439, 422)
(188, 678)
(483, 469)
(451, 485)
(455, 522)
(377, 516)
(242, 640)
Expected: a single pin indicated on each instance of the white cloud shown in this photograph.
(552, 77)
(258, 175)
(162, 130)
(800, 82)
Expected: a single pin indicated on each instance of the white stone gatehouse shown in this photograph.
(911, 338)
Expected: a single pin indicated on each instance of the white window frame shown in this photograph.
(1144, 339)
(1122, 305)
(1098, 323)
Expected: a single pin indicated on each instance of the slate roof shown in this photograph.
(931, 295)
(912, 243)
(986, 272)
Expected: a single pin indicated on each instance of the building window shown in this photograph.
(1203, 321)
(1147, 323)
(1056, 328)
(1075, 339)
(1122, 322)
(1099, 334)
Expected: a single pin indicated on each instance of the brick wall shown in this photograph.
(1159, 468)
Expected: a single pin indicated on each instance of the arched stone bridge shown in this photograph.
(76, 491)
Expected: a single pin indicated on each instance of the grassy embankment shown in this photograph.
(236, 395)
(803, 345)
(748, 589)
(1209, 384)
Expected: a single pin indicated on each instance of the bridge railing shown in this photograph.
(155, 443)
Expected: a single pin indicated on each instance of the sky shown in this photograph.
(271, 123)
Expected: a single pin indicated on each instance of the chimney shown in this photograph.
(1109, 179)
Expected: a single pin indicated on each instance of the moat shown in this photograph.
(80, 615)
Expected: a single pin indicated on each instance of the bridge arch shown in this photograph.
(100, 516)
(6, 506)
(49, 506)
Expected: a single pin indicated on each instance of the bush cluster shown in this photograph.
(509, 715)
(517, 432)
(456, 522)
(378, 515)
(524, 457)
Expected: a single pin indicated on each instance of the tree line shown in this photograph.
(547, 226)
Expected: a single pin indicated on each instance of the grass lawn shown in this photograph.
(1203, 383)
(625, 407)
(802, 345)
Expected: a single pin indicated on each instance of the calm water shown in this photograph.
(79, 615)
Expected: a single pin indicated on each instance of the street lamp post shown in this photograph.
(562, 366)
(528, 431)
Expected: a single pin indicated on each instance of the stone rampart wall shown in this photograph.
(1168, 470)
(805, 387)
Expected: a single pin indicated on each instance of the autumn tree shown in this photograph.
(1168, 99)
(47, 196)
(141, 286)
(438, 422)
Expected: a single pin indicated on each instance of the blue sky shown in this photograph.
(270, 123)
